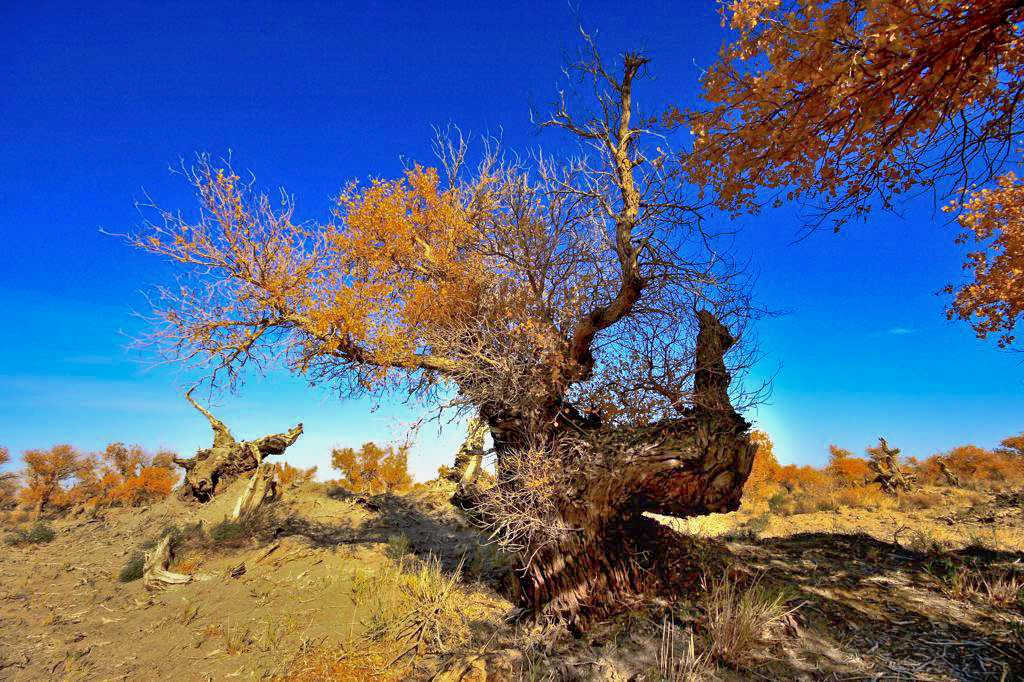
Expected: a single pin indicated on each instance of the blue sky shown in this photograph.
(98, 101)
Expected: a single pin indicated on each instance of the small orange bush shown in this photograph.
(132, 477)
(765, 470)
(286, 474)
(373, 468)
(846, 469)
(980, 468)
(45, 473)
(1012, 446)
(151, 484)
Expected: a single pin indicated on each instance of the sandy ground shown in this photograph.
(869, 587)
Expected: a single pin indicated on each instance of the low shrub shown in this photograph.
(920, 499)
(678, 661)
(398, 546)
(38, 534)
(413, 600)
(230, 533)
(864, 497)
(133, 568)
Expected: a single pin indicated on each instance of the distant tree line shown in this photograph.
(852, 481)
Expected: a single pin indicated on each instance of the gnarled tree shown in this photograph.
(213, 468)
(581, 307)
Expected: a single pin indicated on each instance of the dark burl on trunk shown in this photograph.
(213, 468)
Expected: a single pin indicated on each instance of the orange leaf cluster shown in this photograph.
(765, 469)
(373, 469)
(127, 476)
(845, 468)
(845, 480)
(848, 100)
(286, 474)
(993, 220)
(45, 473)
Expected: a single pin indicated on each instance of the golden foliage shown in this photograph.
(844, 481)
(765, 469)
(984, 468)
(845, 468)
(372, 468)
(1012, 446)
(843, 100)
(993, 220)
(128, 476)
(850, 103)
(150, 484)
(287, 474)
(46, 471)
(131, 477)
(525, 282)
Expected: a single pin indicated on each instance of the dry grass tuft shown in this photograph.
(324, 663)
(412, 609)
(861, 497)
(742, 622)
(679, 661)
(1006, 589)
(412, 603)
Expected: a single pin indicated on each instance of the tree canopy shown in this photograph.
(848, 104)
(527, 284)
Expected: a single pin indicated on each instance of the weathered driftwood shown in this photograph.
(889, 474)
(261, 488)
(155, 575)
(212, 468)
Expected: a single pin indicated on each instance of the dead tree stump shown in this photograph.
(951, 478)
(889, 474)
(261, 488)
(155, 575)
(213, 468)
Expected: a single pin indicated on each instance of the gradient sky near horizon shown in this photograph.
(99, 100)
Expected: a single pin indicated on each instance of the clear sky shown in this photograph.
(98, 100)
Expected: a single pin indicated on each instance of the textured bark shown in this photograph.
(468, 461)
(261, 488)
(472, 449)
(689, 466)
(213, 468)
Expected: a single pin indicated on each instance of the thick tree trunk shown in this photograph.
(607, 552)
(603, 571)
(213, 468)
